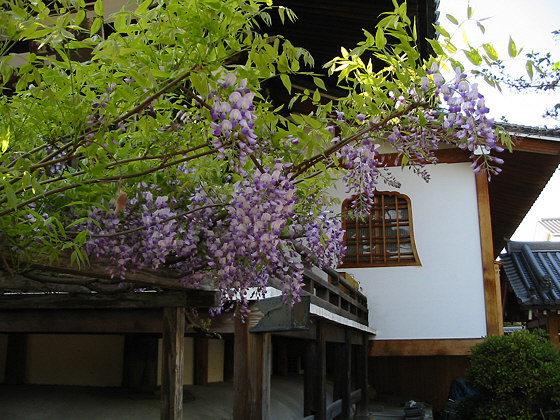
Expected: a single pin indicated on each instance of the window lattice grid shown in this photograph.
(384, 237)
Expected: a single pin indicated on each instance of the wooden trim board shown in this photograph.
(435, 347)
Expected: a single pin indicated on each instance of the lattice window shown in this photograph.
(382, 238)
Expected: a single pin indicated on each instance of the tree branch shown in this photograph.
(102, 180)
(309, 163)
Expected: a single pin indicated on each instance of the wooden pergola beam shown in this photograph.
(131, 300)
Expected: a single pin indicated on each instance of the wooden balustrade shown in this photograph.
(336, 295)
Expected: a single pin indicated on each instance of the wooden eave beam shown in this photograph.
(535, 145)
(452, 155)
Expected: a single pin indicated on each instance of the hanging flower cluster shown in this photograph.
(248, 250)
(241, 252)
(324, 237)
(467, 115)
(233, 118)
(361, 163)
(150, 229)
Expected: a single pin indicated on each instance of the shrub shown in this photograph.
(516, 376)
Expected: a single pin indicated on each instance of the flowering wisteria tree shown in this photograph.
(156, 149)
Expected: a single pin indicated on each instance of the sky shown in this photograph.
(530, 25)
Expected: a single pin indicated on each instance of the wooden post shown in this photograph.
(201, 361)
(172, 364)
(492, 298)
(552, 327)
(320, 398)
(339, 376)
(346, 371)
(251, 373)
(16, 359)
(309, 377)
(362, 376)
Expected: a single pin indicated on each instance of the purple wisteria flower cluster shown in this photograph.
(416, 132)
(467, 118)
(151, 229)
(59, 165)
(233, 118)
(361, 163)
(324, 237)
(249, 245)
(240, 241)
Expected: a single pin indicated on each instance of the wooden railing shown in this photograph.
(337, 295)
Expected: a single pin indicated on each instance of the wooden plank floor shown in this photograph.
(211, 402)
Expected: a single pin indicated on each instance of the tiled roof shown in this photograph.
(552, 224)
(529, 131)
(533, 271)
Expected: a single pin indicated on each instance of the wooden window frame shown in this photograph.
(378, 226)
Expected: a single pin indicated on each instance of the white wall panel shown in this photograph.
(444, 297)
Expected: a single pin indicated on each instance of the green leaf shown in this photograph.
(200, 83)
(281, 14)
(490, 51)
(120, 23)
(404, 159)
(529, 67)
(452, 19)
(481, 27)
(95, 26)
(80, 16)
(380, 40)
(450, 47)
(442, 31)
(26, 179)
(456, 64)
(319, 83)
(469, 12)
(98, 7)
(140, 79)
(474, 57)
(5, 140)
(10, 195)
(143, 8)
(81, 237)
(512, 49)
(316, 96)
(298, 119)
(436, 46)
(286, 82)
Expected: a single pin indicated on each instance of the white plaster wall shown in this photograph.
(444, 297)
(92, 360)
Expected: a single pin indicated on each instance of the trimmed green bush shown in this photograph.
(516, 377)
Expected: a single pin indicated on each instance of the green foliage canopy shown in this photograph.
(159, 146)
